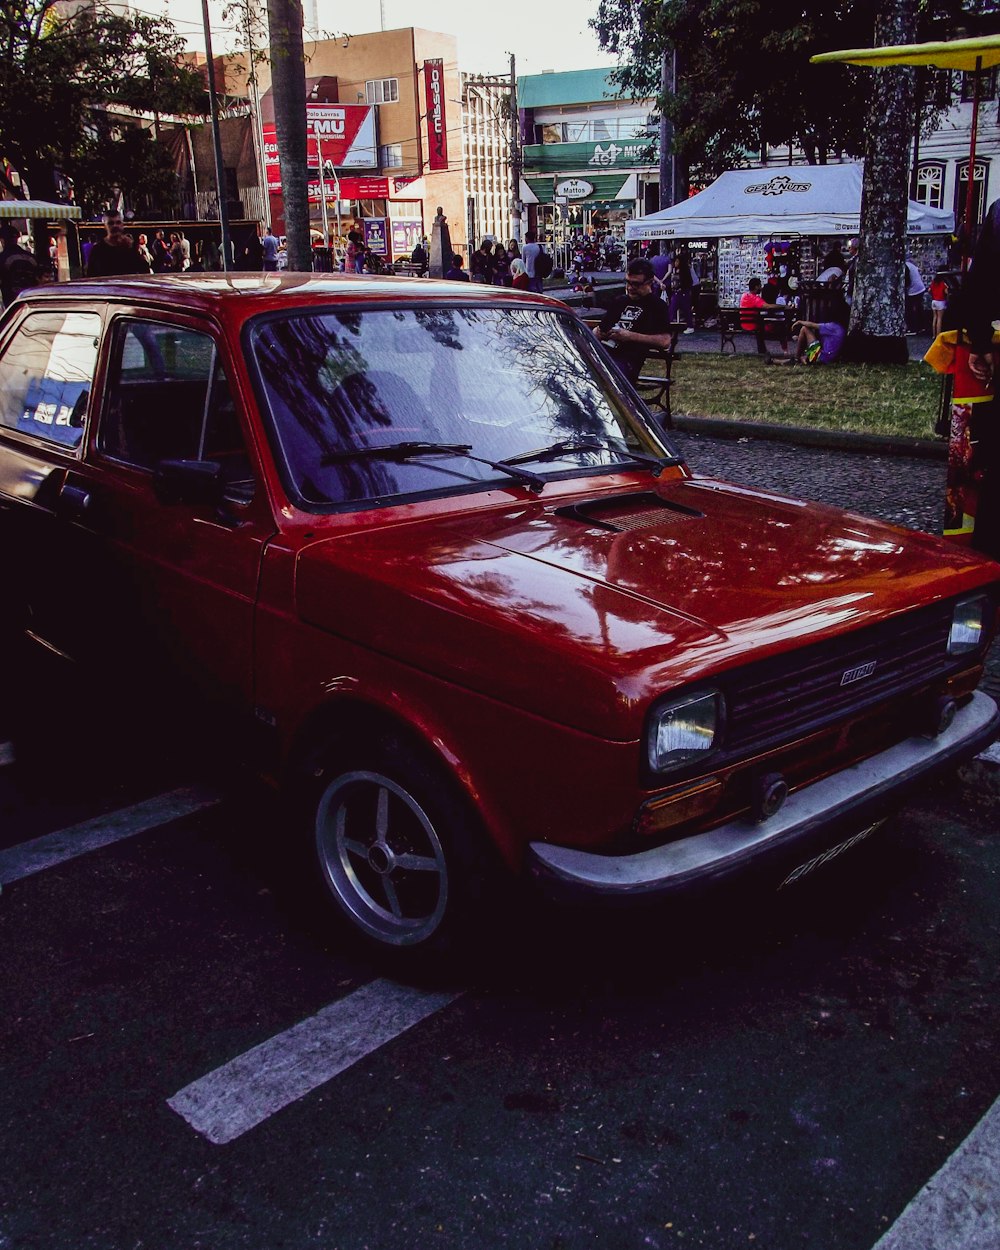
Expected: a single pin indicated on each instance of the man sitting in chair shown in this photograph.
(635, 322)
(752, 309)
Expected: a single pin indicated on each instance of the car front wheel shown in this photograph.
(396, 852)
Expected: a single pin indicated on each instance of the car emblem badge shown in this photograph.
(858, 674)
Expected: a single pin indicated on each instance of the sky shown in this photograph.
(541, 36)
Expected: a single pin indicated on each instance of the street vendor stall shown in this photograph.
(804, 208)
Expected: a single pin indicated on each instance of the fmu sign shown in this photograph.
(343, 134)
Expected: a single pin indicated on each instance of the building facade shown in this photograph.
(487, 157)
(588, 156)
(399, 93)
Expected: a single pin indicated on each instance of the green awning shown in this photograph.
(603, 187)
(37, 210)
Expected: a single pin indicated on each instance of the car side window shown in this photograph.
(46, 376)
(168, 398)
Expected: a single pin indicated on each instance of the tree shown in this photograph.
(877, 312)
(743, 77)
(288, 88)
(59, 75)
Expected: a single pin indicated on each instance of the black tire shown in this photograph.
(398, 853)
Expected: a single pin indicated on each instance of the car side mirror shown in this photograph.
(188, 481)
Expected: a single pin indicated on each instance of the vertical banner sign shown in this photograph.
(437, 132)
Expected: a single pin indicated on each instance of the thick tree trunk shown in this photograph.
(288, 85)
(878, 323)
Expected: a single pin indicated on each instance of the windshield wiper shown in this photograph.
(590, 442)
(396, 451)
(409, 450)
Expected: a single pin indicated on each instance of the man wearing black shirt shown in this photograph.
(635, 322)
(115, 253)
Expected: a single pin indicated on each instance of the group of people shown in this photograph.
(510, 265)
(116, 252)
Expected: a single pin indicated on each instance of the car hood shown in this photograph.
(583, 610)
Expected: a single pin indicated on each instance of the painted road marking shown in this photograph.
(55, 848)
(959, 1207)
(991, 754)
(246, 1091)
(6, 757)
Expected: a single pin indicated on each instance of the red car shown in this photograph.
(430, 546)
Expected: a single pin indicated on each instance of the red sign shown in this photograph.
(343, 133)
(352, 189)
(437, 132)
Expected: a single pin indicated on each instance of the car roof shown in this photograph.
(242, 295)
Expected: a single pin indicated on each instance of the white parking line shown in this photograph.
(991, 754)
(244, 1092)
(959, 1207)
(54, 848)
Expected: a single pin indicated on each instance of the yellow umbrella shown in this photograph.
(968, 54)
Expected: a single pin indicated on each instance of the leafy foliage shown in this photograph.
(743, 74)
(58, 77)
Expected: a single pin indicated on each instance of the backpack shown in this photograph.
(543, 264)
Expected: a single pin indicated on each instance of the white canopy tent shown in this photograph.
(16, 210)
(789, 199)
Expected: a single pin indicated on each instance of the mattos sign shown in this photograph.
(574, 188)
(344, 133)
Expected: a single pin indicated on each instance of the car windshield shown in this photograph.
(369, 405)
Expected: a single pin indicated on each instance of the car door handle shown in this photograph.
(73, 500)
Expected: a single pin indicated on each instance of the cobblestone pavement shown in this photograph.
(900, 489)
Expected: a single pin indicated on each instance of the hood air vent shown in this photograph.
(624, 513)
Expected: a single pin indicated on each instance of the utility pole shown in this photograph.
(220, 174)
(515, 158)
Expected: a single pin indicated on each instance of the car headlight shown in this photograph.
(968, 622)
(684, 729)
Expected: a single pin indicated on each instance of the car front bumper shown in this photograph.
(810, 821)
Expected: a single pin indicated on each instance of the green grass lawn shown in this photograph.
(890, 400)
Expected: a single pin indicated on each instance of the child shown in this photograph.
(939, 301)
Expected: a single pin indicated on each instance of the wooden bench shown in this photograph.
(407, 269)
(731, 323)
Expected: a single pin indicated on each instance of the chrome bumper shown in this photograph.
(807, 823)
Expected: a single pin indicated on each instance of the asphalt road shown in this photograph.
(770, 1072)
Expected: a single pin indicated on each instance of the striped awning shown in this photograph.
(16, 209)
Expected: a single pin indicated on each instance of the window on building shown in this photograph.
(382, 90)
(390, 155)
(593, 129)
(940, 88)
(405, 208)
(978, 191)
(987, 84)
(930, 184)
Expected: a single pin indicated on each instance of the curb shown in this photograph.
(803, 436)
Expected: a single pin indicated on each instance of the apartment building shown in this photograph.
(385, 117)
(588, 156)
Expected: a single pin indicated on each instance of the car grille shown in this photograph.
(792, 694)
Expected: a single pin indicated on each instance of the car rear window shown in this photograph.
(46, 375)
(500, 381)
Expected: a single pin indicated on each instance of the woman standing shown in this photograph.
(680, 292)
(519, 276)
